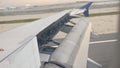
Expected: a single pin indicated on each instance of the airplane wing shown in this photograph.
(44, 29)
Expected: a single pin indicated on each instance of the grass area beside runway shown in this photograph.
(30, 20)
(18, 21)
(104, 14)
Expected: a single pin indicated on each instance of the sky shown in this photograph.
(5, 3)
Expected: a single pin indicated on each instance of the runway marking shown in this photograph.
(94, 62)
(114, 40)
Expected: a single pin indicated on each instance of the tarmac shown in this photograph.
(104, 50)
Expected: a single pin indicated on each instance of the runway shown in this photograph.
(105, 52)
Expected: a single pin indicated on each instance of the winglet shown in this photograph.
(86, 7)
